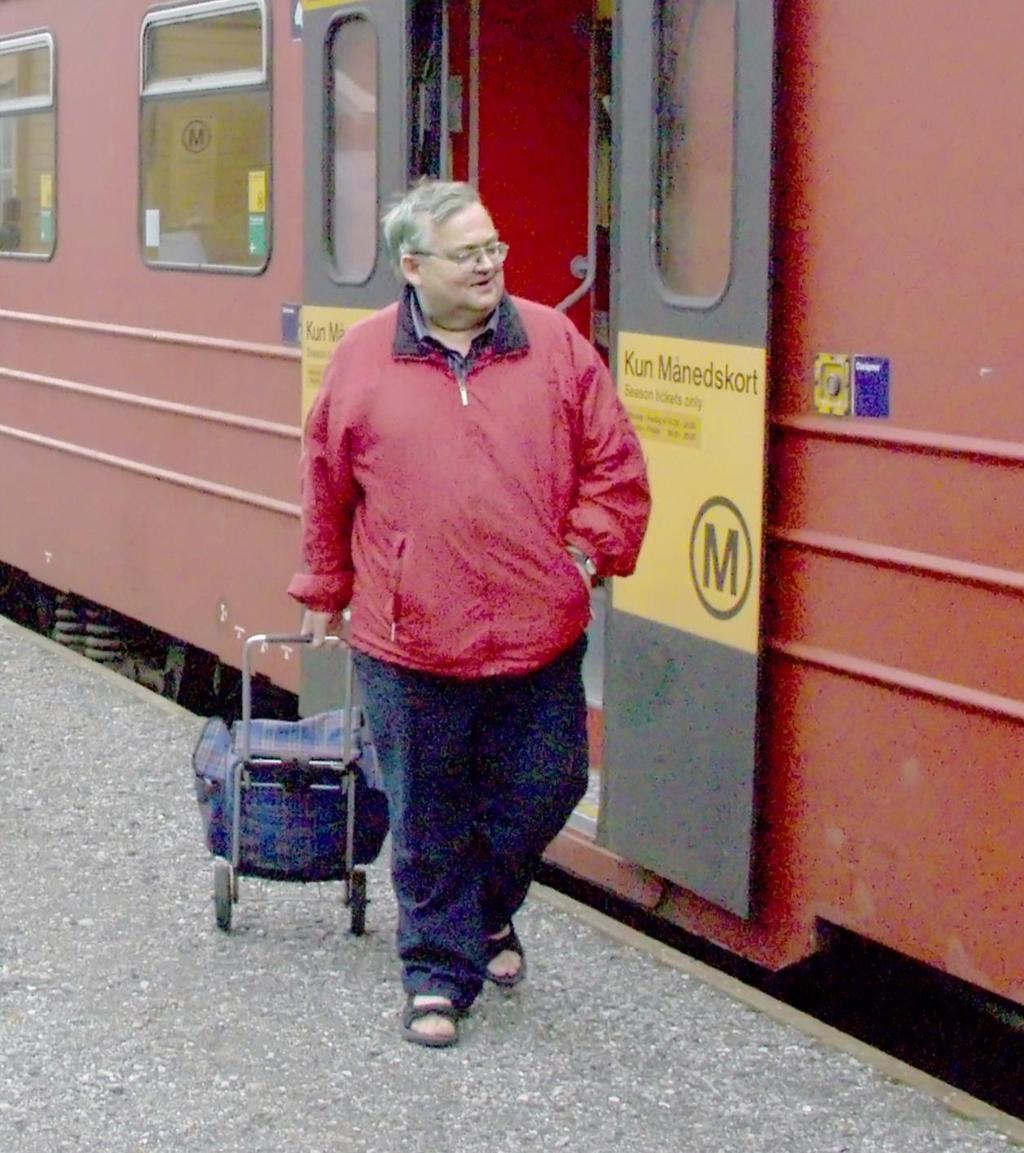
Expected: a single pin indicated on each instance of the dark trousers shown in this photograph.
(480, 776)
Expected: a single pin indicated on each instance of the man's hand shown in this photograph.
(584, 565)
(324, 628)
(579, 559)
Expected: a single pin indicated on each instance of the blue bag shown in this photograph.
(294, 814)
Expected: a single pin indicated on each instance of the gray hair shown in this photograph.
(429, 201)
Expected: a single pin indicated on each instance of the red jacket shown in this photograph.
(445, 523)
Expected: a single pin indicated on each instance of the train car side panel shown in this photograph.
(896, 568)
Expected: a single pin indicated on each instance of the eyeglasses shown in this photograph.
(494, 250)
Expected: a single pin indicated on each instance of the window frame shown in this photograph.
(328, 223)
(671, 296)
(208, 81)
(21, 105)
(24, 42)
(216, 83)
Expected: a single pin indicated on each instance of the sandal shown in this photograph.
(494, 946)
(413, 1012)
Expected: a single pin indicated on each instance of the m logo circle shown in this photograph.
(721, 558)
(195, 137)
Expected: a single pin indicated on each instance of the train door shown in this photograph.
(503, 95)
(530, 126)
(693, 98)
(375, 93)
(358, 66)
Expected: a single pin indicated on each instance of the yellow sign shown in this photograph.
(258, 191)
(832, 384)
(311, 5)
(46, 190)
(699, 409)
(321, 329)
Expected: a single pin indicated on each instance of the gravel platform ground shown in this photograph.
(130, 1023)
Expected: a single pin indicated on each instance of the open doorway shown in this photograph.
(526, 113)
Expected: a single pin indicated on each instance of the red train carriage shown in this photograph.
(796, 237)
(147, 398)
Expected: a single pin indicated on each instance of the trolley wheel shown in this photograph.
(357, 902)
(224, 893)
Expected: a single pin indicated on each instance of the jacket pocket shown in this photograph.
(396, 566)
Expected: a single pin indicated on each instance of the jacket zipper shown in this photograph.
(461, 374)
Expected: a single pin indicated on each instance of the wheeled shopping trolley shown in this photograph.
(290, 800)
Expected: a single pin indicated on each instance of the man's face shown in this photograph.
(455, 296)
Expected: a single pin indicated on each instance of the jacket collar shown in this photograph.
(509, 333)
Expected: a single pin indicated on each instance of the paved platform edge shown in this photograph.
(963, 1104)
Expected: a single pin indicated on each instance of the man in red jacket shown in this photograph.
(468, 472)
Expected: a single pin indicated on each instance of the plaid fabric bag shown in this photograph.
(293, 820)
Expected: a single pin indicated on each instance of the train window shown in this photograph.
(352, 129)
(28, 154)
(205, 136)
(695, 116)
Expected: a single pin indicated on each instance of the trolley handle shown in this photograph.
(263, 639)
